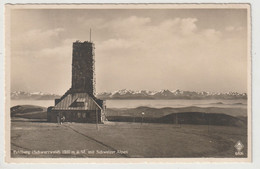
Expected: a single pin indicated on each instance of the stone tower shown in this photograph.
(79, 103)
(83, 79)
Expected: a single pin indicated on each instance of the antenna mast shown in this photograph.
(90, 34)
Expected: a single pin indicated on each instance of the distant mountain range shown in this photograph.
(167, 94)
(130, 94)
(142, 94)
(20, 95)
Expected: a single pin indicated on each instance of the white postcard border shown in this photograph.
(255, 107)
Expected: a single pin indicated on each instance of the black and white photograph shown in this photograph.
(139, 82)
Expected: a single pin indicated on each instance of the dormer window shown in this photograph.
(79, 102)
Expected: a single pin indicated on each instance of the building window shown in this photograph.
(79, 115)
(79, 102)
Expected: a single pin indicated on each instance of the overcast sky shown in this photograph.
(199, 50)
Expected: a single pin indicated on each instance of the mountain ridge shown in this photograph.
(141, 94)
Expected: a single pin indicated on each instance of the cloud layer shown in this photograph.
(134, 52)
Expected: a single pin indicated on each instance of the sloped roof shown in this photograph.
(89, 102)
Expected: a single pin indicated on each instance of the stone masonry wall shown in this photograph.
(83, 67)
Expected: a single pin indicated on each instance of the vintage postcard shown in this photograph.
(128, 83)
